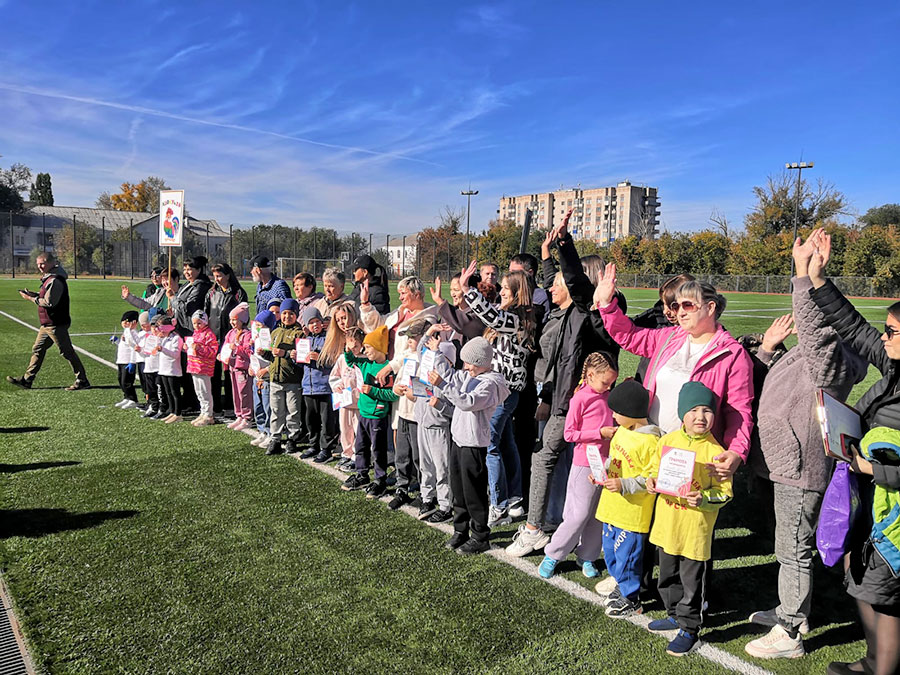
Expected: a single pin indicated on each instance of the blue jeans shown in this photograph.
(503, 465)
(623, 552)
(261, 410)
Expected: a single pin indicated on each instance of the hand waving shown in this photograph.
(465, 274)
(777, 332)
(606, 289)
(436, 292)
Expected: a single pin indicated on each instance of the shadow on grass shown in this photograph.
(21, 430)
(62, 388)
(34, 466)
(40, 522)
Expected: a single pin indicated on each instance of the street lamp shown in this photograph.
(468, 195)
(799, 166)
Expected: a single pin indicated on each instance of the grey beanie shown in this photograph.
(477, 352)
(309, 314)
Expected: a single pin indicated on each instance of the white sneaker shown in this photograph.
(606, 586)
(251, 432)
(516, 509)
(121, 403)
(260, 441)
(776, 644)
(768, 618)
(527, 541)
(497, 516)
(128, 404)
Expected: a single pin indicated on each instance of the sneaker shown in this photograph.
(473, 547)
(129, 404)
(776, 644)
(161, 415)
(355, 482)
(439, 516)
(527, 541)
(457, 540)
(613, 597)
(77, 386)
(401, 497)
(241, 424)
(290, 447)
(376, 489)
(150, 412)
(588, 568)
(347, 467)
(854, 668)
(498, 516)
(516, 510)
(260, 441)
(622, 607)
(19, 382)
(426, 509)
(234, 424)
(660, 625)
(416, 503)
(274, 447)
(120, 403)
(323, 457)
(547, 567)
(309, 453)
(172, 419)
(768, 617)
(684, 643)
(606, 586)
(250, 431)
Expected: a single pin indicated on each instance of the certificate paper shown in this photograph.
(420, 390)
(303, 350)
(149, 344)
(225, 354)
(262, 338)
(676, 471)
(426, 365)
(409, 371)
(595, 459)
(189, 341)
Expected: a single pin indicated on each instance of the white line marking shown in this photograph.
(77, 348)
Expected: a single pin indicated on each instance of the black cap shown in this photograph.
(259, 261)
(630, 399)
(130, 315)
(365, 262)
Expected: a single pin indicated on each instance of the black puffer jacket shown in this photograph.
(582, 330)
(188, 300)
(218, 306)
(378, 296)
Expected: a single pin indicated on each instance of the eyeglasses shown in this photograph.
(890, 331)
(686, 305)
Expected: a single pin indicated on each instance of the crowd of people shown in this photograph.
(502, 405)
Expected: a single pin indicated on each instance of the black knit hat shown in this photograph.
(630, 399)
(130, 315)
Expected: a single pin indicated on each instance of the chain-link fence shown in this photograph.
(748, 283)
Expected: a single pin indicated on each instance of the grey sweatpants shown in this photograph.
(284, 401)
(796, 517)
(434, 449)
(542, 465)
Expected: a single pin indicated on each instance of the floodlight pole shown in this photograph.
(799, 166)
(468, 195)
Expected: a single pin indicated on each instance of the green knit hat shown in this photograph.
(693, 394)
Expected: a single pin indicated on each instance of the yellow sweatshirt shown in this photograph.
(681, 529)
(632, 454)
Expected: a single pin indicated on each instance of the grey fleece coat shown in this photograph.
(475, 399)
(790, 450)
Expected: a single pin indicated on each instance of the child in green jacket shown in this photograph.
(286, 377)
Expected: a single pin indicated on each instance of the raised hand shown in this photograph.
(436, 292)
(819, 260)
(803, 251)
(364, 292)
(606, 289)
(563, 228)
(465, 274)
(125, 292)
(545, 245)
(777, 332)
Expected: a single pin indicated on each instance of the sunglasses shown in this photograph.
(686, 305)
(890, 331)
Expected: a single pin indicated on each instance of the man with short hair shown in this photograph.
(490, 273)
(268, 285)
(53, 311)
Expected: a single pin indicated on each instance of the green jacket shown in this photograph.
(881, 446)
(284, 370)
(377, 403)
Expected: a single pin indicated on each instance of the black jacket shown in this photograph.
(218, 306)
(654, 318)
(188, 300)
(378, 296)
(582, 331)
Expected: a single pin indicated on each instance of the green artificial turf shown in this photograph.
(131, 546)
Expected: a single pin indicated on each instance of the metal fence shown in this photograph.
(747, 283)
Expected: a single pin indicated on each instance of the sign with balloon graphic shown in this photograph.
(171, 217)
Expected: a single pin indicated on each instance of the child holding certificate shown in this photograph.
(689, 501)
(235, 355)
(588, 425)
(321, 419)
(626, 508)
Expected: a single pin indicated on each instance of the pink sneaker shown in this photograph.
(240, 425)
(234, 425)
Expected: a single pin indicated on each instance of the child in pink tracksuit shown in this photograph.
(240, 342)
(589, 421)
(201, 353)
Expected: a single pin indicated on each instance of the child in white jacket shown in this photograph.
(125, 360)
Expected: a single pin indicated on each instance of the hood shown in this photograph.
(493, 376)
(650, 429)
(56, 271)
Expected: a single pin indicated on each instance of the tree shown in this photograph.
(41, 190)
(774, 210)
(142, 196)
(871, 250)
(88, 239)
(10, 200)
(710, 251)
(17, 177)
(624, 253)
(887, 214)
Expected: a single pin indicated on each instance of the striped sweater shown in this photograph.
(510, 355)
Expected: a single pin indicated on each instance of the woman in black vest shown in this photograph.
(182, 306)
(225, 294)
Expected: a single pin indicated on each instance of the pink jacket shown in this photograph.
(240, 353)
(725, 368)
(202, 359)
(588, 412)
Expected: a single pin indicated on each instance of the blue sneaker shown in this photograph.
(589, 569)
(667, 623)
(548, 567)
(684, 643)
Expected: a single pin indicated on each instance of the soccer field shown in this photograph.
(135, 547)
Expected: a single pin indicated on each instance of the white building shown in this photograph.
(401, 253)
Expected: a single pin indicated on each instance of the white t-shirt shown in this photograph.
(670, 378)
(125, 349)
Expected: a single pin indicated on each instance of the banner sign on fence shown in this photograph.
(171, 217)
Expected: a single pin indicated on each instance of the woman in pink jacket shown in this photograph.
(697, 349)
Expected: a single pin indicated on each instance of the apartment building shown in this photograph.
(601, 214)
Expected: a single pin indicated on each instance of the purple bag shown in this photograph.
(839, 509)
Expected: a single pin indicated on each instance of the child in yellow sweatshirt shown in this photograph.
(683, 525)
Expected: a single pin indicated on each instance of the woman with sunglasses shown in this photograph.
(869, 579)
(697, 349)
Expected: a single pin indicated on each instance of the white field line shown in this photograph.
(77, 348)
(707, 651)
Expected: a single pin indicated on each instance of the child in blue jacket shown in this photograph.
(321, 418)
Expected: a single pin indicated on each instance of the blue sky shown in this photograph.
(372, 116)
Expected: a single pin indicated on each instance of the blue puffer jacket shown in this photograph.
(315, 377)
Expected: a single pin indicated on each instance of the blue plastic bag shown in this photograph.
(840, 507)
